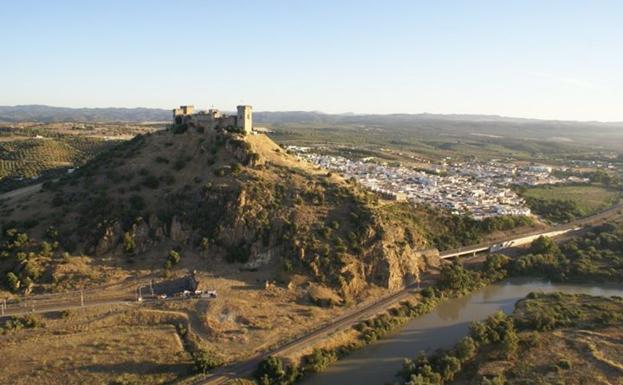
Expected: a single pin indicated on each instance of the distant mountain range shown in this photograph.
(44, 113)
(609, 134)
(47, 114)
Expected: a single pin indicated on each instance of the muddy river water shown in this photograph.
(378, 363)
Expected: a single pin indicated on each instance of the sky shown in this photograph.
(525, 58)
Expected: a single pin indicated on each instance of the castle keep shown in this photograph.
(213, 119)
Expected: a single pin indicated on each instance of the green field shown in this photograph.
(582, 200)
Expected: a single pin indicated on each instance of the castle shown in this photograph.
(213, 119)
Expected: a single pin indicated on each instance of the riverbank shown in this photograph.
(442, 328)
(453, 281)
(598, 253)
(551, 338)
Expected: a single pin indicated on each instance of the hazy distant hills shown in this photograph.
(419, 124)
(436, 125)
(43, 113)
(47, 114)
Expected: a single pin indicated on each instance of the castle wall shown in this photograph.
(213, 119)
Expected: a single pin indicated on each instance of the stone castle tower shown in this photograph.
(245, 119)
(213, 119)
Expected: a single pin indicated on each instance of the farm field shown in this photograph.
(585, 199)
(28, 158)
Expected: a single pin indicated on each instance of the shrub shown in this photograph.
(497, 380)
(179, 164)
(319, 360)
(564, 364)
(238, 253)
(235, 168)
(466, 349)
(174, 257)
(220, 172)
(137, 203)
(168, 179)
(205, 243)
(151, 182)
(179, 128)
(58, 200)
(273, 371)
(129, 245)
(205, 361)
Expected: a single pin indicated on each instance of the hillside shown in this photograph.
(214, 198)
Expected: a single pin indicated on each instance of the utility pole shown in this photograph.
(82, 298)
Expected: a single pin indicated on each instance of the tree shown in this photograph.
(13, 281)
(510, 342)
(495, 264)
(272, 371)
(425, 376)
(466, 349)
(450, 366)
(456, 278)
(544, 245)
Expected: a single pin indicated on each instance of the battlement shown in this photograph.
(213, 119)
(183, 110)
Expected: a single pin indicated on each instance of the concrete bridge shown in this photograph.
(505, 243)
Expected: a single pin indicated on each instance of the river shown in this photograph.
(378, 363)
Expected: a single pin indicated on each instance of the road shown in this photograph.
(48, 303)
(247, 367)
(111, 294)
(555, 231)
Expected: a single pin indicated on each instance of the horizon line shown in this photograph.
(493, 115)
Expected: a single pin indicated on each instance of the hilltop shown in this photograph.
(286, 245)
(214, 197)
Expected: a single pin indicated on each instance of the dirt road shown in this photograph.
(22, 191)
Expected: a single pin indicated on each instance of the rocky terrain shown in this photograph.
(208, 198)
